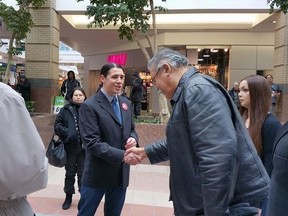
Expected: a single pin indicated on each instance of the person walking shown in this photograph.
(23, 164)
(136, 93)
(24, 88)
(67, 128)
(107, 130)
(255, 101)
(214, 167)
(233, 92)
(68, 85)
(275, 93)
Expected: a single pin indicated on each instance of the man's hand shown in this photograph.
(131, 142)
(137, 151)
(131, 158)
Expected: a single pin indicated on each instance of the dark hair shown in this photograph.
(79, 89)
(105, 69)
(260, 101)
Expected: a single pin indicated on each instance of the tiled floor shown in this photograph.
(147, 194)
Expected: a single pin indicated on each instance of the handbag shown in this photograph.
(56, 153)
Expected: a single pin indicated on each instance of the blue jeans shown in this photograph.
(91, 197)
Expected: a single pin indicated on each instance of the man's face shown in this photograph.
(269, 79)
(113, 82)
(71, 76)
(162, 79)
(236, 86)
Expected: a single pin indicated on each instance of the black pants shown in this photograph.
(74, 165)
(136, 108)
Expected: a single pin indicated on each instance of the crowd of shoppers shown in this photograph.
(229, 173)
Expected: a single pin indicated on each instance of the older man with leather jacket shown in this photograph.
(214, 167)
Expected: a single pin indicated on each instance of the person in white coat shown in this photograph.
(23, 164)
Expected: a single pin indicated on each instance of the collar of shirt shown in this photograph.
(109, 97)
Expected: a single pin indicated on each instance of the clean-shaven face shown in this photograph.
(78, 97)
(113, 82)
(244, 95)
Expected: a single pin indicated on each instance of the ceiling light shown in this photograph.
(206, 56)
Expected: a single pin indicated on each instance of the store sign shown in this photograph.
(58, 104)
(118, 58)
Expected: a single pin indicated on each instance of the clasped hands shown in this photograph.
(133, 155)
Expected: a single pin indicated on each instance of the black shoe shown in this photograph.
(67, 203)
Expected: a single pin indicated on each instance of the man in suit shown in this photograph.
(106, 134)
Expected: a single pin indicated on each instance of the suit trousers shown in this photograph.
(91, 197)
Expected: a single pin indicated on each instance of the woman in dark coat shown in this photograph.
(66, 127)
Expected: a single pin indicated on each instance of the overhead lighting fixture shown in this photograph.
(206, 56)
(199, 49)
(200, 59)
(226, 50)
(214, 50)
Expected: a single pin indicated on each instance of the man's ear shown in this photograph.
(166, 67)
(102, 78)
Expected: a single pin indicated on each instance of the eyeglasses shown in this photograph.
(153, 79)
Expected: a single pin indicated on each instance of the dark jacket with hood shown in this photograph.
(68, 85)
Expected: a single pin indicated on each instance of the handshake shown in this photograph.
(134, 155)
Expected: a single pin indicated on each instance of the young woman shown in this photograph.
(66, 127)
(255, 101)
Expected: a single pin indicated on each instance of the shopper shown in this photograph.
(24, 88)
(255, 100)
(233, 92)
(214, 167)
(66, 127)
(23, 164)
(68, 85)
(275, 93)
(136, 93)
(107, 129)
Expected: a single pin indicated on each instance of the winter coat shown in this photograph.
(68, 85)
(66, 127)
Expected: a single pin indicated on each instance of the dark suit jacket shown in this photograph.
(278, 195)
(104, 139)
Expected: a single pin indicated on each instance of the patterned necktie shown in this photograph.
(116, 108)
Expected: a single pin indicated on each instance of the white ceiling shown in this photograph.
(203, 16)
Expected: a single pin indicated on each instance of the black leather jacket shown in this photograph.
(213, 162)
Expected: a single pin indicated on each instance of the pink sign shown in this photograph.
(118, 58)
